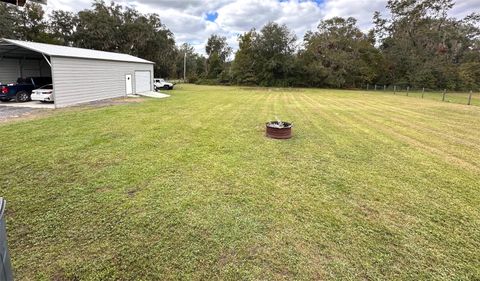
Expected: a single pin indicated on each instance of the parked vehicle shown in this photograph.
(43, 94)
(159, 83)
(22, 90)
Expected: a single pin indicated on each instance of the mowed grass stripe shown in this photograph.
(362, 120)
(453, 116)
(466, 148)
(419, 141)
(459, 148)
(376, 132)
(441, 120)
(432, 116)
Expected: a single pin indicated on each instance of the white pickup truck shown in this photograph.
(159, 83)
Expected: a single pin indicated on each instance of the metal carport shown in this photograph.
(79, 75)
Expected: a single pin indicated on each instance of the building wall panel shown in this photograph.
(9, 70)
(85, 80)
(12, 69)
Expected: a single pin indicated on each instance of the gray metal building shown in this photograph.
(78, 75)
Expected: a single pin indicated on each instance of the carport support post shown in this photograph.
(49, 63)
(21, 62)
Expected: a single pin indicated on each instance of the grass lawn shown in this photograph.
(372, 187)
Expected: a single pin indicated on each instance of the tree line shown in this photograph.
(416, 44)
(105, 27)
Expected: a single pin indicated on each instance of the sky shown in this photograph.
(193, 21)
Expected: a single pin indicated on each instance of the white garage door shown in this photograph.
(142, 81)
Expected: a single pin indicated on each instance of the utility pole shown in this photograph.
(185, 67)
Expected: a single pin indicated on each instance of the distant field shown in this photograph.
(372, 187)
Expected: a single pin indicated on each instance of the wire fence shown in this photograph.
(468, 98)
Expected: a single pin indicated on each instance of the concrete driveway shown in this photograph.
(28, 104)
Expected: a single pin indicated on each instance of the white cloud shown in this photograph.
(187, 18)
(67, 5)
(362, 10)
(463, 8)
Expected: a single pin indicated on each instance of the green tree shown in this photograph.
(186, 53)
(340, 55)
(157, 45)
(99, 27)
(470, 75)
(218, 51)
(201, 65)
(275, 48)
(425, 47)
(117, 29)
(196, 63)
(62, 26)
(244, 65)
(32, 25)
(9, 21)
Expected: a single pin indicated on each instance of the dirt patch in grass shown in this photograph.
(111, 102)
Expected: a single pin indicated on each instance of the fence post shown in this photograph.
(444, 93)
(384, 87)
(470, 98)
(423, 91)
(408, 89)
(5, 265)
(394, 89)
(368, 86)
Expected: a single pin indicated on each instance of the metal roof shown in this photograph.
(9, 47)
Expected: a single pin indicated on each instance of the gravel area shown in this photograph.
(7, 113)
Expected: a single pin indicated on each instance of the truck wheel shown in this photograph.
(166, 87)
(22, 97)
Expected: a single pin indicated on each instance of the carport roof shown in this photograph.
(11, 47)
